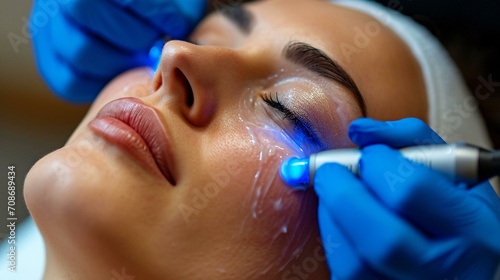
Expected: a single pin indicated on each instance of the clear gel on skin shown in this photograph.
(275, 144)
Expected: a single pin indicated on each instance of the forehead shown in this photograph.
(381, 64)
(322, 24)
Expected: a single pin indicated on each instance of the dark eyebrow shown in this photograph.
(317, 61)
(237, 14)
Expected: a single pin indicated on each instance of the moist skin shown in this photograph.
(276, 144)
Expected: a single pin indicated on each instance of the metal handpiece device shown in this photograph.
(460, 162)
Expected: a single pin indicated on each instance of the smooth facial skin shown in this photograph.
(229, 215)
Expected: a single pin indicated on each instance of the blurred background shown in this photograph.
(33, 122)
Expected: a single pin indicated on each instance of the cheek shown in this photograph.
(272, 203)
(272, 211)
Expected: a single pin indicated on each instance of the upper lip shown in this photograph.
(147, 123)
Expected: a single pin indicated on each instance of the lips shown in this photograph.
(137, 129)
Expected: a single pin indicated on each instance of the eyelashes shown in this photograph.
(275, 103)
(301, 126)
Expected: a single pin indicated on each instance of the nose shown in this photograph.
(201, 79)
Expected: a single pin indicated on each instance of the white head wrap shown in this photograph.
(453, 111)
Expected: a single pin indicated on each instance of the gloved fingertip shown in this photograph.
(376, 149)
(407, 122)
(326, 175)
(397, 134)
(374, 152)
(363, 124)
(415, 126)
(361, 129)
(374, 155)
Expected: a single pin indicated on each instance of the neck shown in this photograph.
(63, 263)
(71, 266)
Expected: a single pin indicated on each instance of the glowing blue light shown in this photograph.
(155, 54)
(295, 172)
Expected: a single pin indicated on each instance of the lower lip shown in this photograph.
(120, 134)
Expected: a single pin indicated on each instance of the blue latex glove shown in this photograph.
(401, 220)
(80, 45)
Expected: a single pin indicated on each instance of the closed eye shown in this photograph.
(299, 124)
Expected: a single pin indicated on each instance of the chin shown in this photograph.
(67, 185)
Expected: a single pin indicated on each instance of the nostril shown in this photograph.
(189, 95)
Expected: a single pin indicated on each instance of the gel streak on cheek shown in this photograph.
(326, 106)
(284, 212)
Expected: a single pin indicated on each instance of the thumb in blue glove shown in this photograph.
(86, 43)
(422, 226)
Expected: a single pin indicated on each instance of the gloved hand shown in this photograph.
(402, 220)
(82, 44)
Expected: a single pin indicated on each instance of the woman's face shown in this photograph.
(176, 173)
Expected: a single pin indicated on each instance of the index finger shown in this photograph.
(397, 134)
